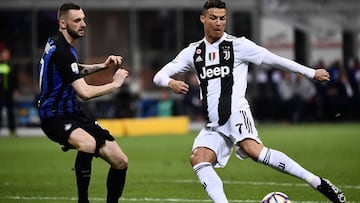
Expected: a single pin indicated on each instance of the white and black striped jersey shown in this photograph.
(222, 69)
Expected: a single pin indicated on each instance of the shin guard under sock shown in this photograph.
(211, 182)
(83, 172)
(115, 184)
(283, 163)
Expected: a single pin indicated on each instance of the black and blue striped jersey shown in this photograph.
(57, 70)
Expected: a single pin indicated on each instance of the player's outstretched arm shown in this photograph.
(277, 61)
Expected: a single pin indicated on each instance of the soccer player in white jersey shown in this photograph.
(221, 64)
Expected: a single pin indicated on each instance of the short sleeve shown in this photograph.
(67, 65)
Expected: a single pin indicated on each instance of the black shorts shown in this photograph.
(59, 128)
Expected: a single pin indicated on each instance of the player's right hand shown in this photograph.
(179, 87)
(119, 76)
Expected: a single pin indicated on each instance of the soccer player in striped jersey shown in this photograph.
(221, 64)
(62, 118)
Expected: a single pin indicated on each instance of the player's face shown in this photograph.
(75, 23)
(214, 21)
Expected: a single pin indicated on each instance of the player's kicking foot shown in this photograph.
(332, 192)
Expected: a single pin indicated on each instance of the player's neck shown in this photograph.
(68, 38)
(212, 40)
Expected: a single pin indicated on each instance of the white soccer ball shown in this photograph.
(276, 197)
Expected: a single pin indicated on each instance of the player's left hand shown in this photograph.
(322, 75)
(112, 61)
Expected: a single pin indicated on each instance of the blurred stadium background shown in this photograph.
(149, 33)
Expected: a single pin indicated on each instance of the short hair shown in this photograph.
(213, 4)
(64, 9)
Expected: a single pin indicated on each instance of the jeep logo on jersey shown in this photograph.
(212, 72)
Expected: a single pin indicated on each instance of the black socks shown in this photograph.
(115, 184)
(115, 180)
(83, 172)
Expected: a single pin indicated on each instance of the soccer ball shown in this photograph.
(276, 197)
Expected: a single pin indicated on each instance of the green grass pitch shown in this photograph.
(35, 170)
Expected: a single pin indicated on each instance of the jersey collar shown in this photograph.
(217, 42)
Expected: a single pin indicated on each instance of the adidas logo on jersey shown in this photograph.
(198, 59)
(214, 72)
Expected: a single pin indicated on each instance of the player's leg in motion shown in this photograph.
(112, 153)
(83, 171)
(115, 184)
(85, 144)
(283, 163)
(201, 160)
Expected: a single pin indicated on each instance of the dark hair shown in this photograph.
(213, 4)
(64, 8)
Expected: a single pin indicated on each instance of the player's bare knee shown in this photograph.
(252, 153)
(251, 148)
(82, 141)
(194, 159)
(202, 154)
(120, 163)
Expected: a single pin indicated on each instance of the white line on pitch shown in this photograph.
(145, 199)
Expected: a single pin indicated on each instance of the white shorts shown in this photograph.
(222, 139)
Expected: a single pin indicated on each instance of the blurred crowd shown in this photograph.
(8, 86)
(292, 98)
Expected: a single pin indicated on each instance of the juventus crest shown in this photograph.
(226, 51)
